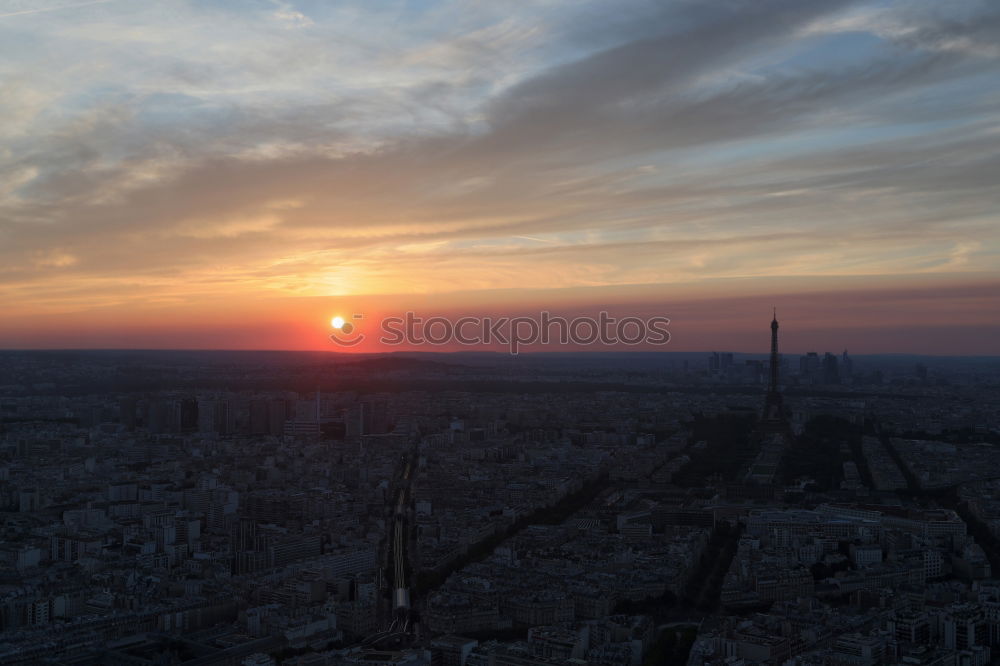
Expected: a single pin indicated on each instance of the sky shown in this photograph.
(232, 174)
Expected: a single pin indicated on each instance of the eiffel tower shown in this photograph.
(774, 419)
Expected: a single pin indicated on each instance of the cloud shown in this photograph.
(488, 149)
(54, 8)
(971, 28)
(289, 16)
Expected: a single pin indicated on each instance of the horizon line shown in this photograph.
(452, 353)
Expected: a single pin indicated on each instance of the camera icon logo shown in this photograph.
(343, 329)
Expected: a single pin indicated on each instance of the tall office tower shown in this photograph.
(713, 363)
(809, 366)
(726, 363)
(831, 369)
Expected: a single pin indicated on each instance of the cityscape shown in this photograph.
(254, 508)
(499, 333)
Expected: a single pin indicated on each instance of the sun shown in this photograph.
(337, 322)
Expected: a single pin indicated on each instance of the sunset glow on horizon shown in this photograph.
(255, 175)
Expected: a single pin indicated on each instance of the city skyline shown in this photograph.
(483, 333)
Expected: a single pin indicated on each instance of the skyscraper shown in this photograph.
(809, 368)
(831, 369)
